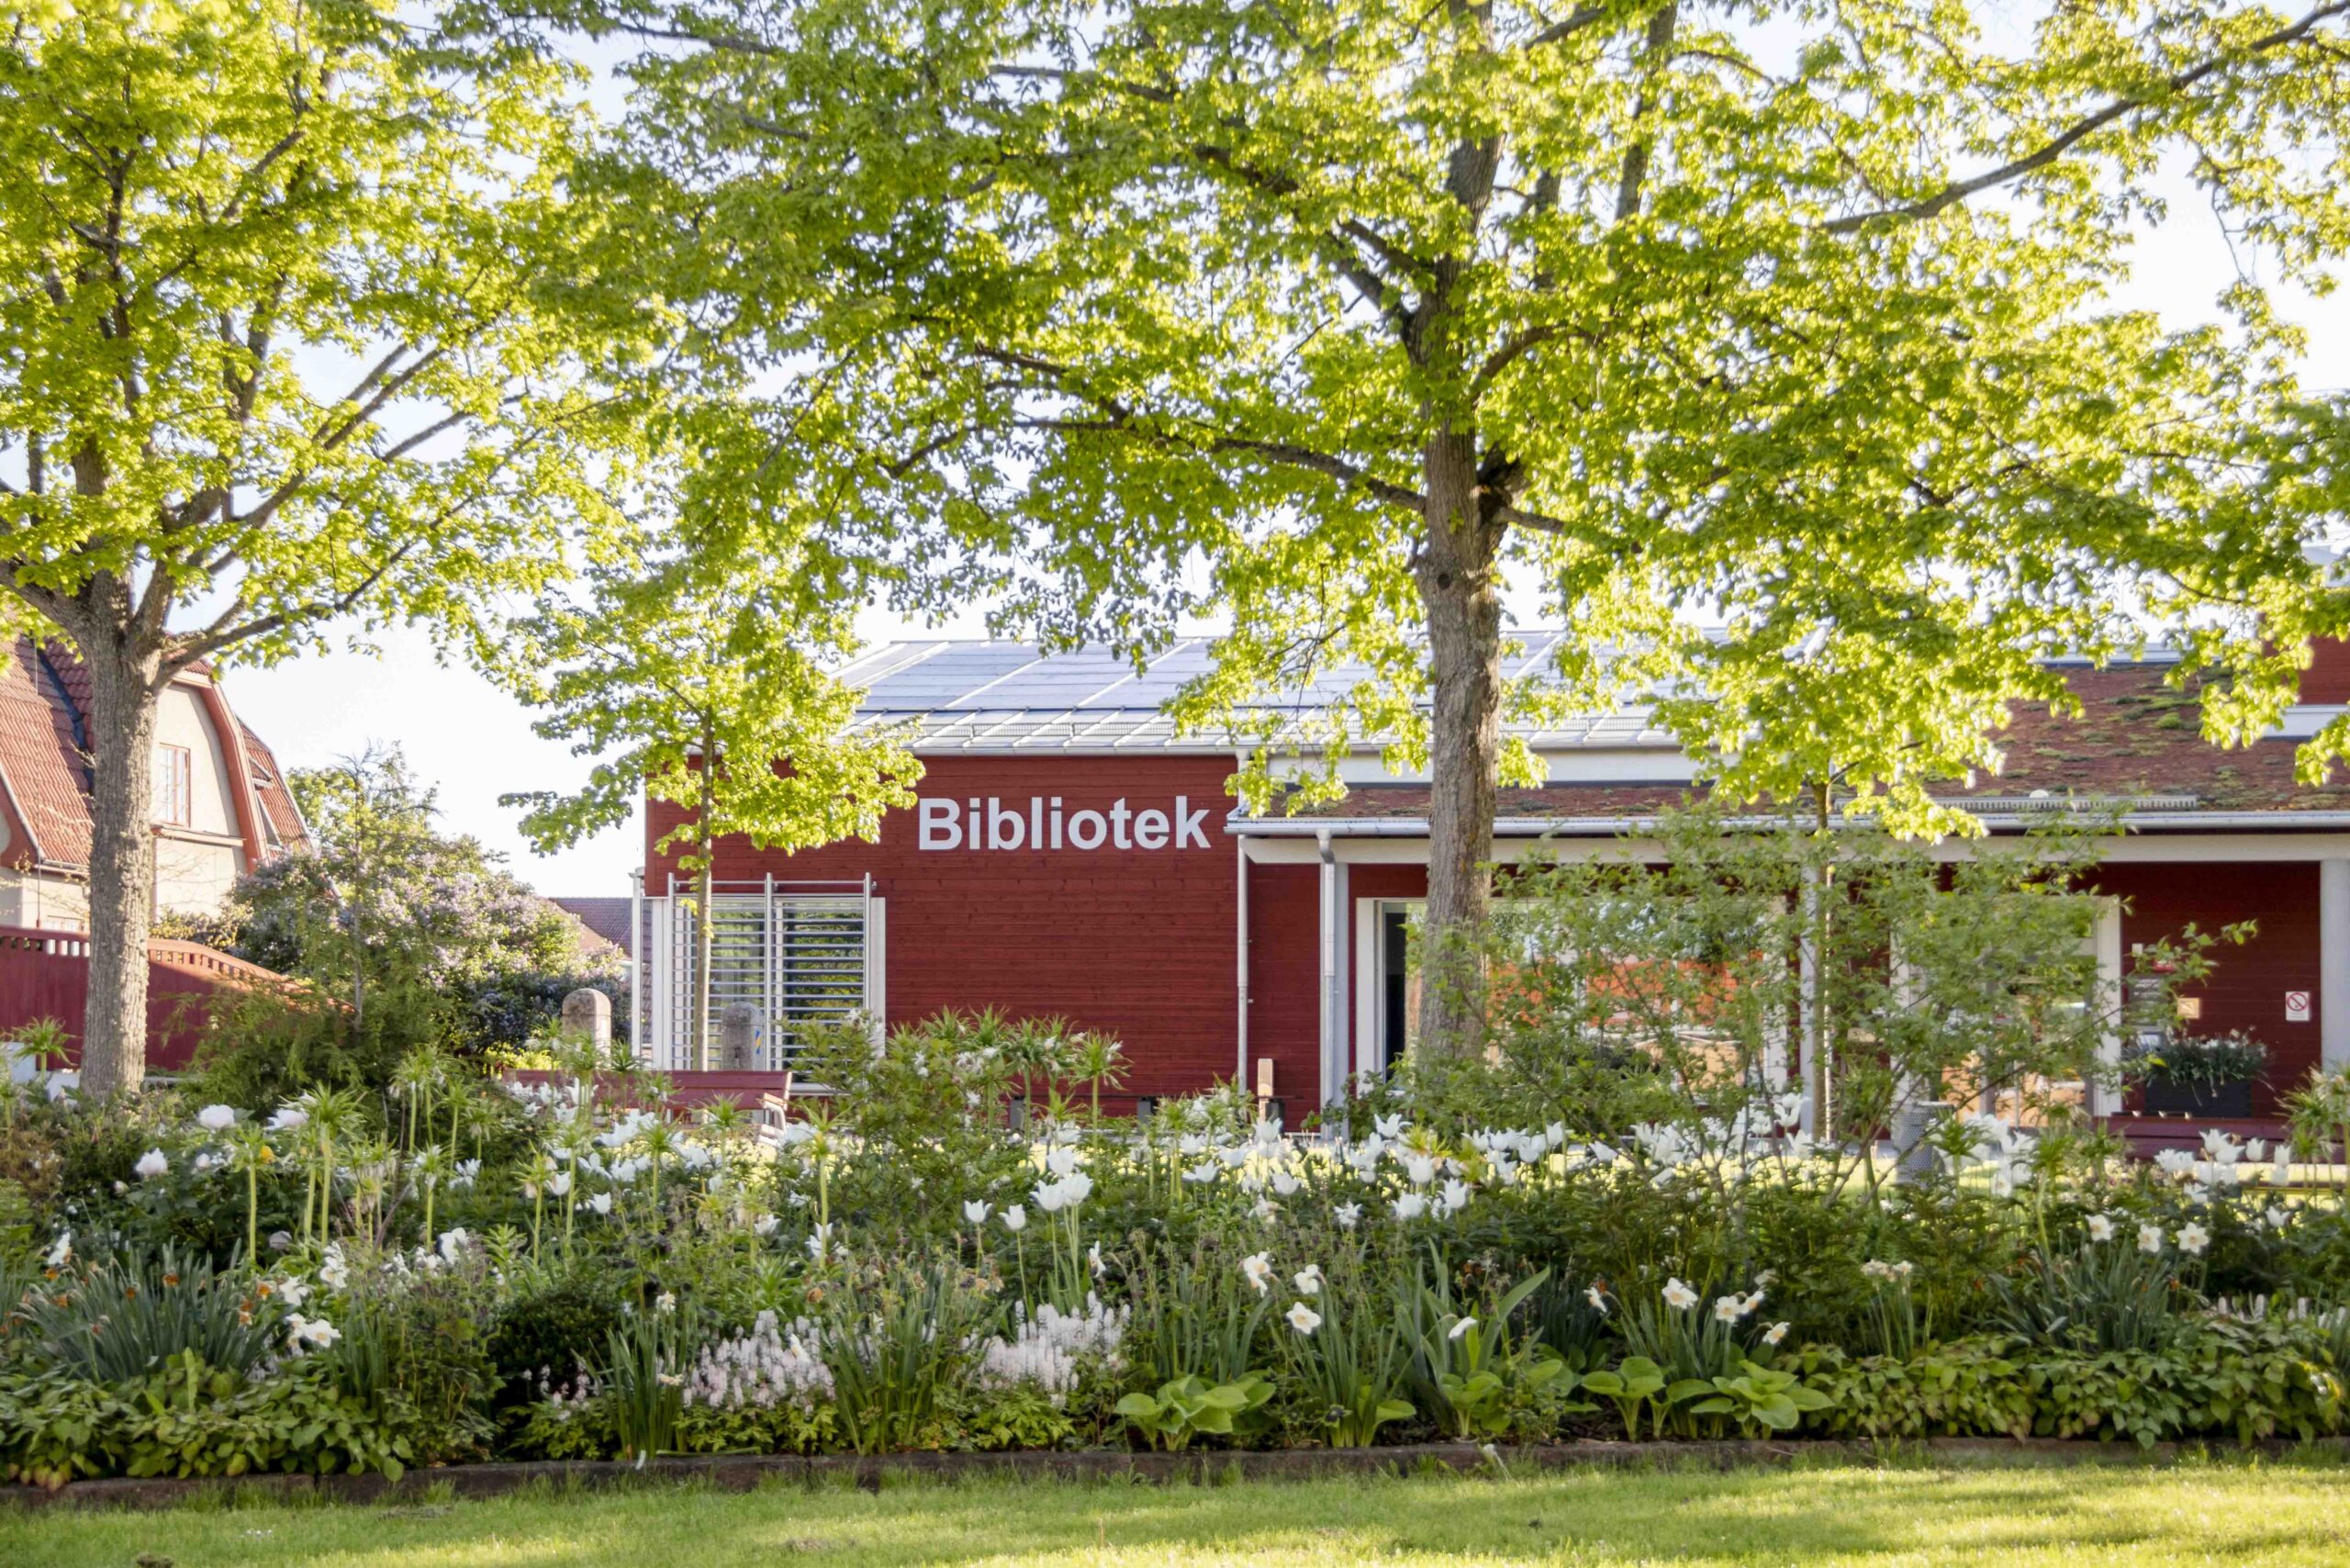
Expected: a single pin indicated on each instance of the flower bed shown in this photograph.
(450, 1271)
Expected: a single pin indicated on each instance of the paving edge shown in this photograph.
(741, 1473)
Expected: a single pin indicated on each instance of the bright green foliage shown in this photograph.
(1328, 317)
(1188, 1406)
(679, 658)
(295, 327)
(1760, 1399)
(1636, 1385)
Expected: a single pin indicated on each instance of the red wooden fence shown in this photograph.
(44, 974)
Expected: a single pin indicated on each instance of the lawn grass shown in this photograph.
(2240, 1514)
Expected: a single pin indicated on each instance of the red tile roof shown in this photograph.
(44, 760)
(270, 786)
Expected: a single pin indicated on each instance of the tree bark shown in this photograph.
(123, 699)
(1459, 592)
(705, 911)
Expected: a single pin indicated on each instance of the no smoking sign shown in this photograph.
(2297, 1007)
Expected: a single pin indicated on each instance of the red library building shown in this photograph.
(1070, 855)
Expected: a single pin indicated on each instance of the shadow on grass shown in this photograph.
(2241, 1514)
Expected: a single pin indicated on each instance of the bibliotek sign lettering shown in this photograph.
(990, 824)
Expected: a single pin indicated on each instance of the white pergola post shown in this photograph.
(1811, 1021)
(2334, 963)
(2105, 1098)
(1333, 1086)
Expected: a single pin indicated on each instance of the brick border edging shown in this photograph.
(741, 1473)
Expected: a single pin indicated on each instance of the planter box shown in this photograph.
(2196, 1100)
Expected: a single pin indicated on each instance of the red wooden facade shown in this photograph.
(1253, 948)
(44, 975)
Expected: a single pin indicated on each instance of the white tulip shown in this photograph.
(1347, 1215)
(1015, 1219)
(975, 1209)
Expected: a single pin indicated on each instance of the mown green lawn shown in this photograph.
(2235, 1514)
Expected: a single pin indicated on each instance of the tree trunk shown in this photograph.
(1460, 593)
(122, 862)
(705, 910)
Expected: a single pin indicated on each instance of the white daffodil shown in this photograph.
(1598, 1299)
(310, 1333)
(1259, 1268)
(2100, 1228)
(2150, 1238)
(1461, 1327)
(1725, 1309)
(1678, 1296)
(1304, 1318)
(1776, 1332)
(60, 1251)
(2193, 1238)
(1308, 1280)
(151, 1165)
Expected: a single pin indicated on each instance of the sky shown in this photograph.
(474, 743)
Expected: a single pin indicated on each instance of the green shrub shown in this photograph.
(1963, 1388)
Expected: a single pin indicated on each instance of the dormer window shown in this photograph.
(174, 785)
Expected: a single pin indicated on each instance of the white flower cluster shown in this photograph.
(1070, 1187)
(770, 1366)
(1047, 1351)
(2223, 1165)
(1886, 1274)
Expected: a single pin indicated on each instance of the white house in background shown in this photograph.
(221, 806)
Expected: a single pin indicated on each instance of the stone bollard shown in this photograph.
(736, 1027)
(588, 1012)
(1912, 1124)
